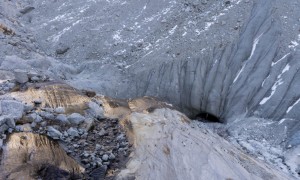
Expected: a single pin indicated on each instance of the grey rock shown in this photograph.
(73, 132)
(3, 128)
(62, 50)
(34, 117)
(62, 118)
(10, 122)
(112, 156)
(54, 133)
(47, 115)
(24, 128)
(76, 118)
(59, 110)
(98, 147)
(12, 108)
(27, 9)
(105, 157)
(21, 76)
(28, 107)
(50, 110)
(11, 85)
(1, 143)
(87, 124)
(35, 79)
(44, 124)
(99, 173)
(102, 132)
(33, 124)
(95, 110)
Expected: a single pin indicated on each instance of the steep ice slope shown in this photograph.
(225, 58)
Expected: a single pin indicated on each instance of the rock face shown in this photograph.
(32, 156)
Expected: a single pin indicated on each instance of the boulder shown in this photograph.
(54, 133)
(76, 118)
(21, 76)
(95, 110)
(87, 124)
(12, 108)
(24, 128)
(59, 110)
(73, 132)
(3, 128)
(62, 118)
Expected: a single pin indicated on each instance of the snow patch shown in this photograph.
(239, 73)
(292, 106)
(276, 84)
(255, 42)
(172, 31)
(274, 63)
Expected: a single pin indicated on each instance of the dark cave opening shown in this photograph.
(207, 117)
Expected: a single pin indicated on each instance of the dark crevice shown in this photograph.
(207, 117)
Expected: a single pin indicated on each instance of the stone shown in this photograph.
(1, 143)
(28, 107)
(10, 122)
(34, 79)
(95, 110)
(111, 156)
(88, 124)
(11, 85)
(62, 118)
(99, 173)
(24, 128)
(21, 76)
(73, 132)
(62, 50)
(54, 133)
(3, 128)
(59, 110)
(102, 132)
(47, 115)
(12, 108)
(98, 147)
(33, 124)
(44, 124)
(31, 117)
(76, 118)
(27, 9)
(105, 157)
(50, 110)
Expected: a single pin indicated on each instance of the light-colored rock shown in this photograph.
(3, 128)
(73, 132)
(24, 128)
(12, 108)
(105, 157)
(76, 118)
(62, 118)
(87, 124)
(54, 133)
(21, 76)
(1, 143)
(10, 122)
(59, 110)
(95, 110)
